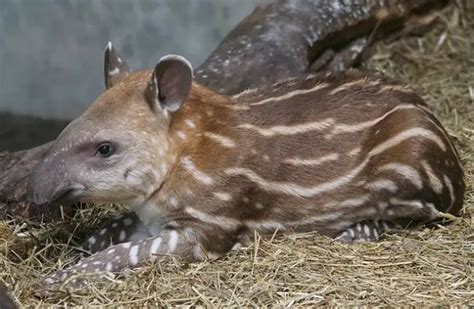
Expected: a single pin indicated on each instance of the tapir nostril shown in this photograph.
(68, 193)
(61, 194)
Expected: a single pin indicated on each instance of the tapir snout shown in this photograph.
(48, 184)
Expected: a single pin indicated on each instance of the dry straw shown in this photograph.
(425, 267)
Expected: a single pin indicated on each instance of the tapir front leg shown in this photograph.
(124, 228)
(191, 243)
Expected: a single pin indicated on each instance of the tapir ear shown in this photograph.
(115, 68)
(170, 83)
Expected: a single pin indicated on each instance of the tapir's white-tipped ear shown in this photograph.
(115, 68)
(170, 83)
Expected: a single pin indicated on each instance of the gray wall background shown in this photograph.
(51, 51)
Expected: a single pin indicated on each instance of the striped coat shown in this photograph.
(350, 156)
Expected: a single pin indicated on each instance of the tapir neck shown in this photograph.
(204, 137)
(206, 117)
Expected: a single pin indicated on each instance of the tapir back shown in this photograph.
(327, 152)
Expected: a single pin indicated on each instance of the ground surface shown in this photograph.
(425, 267)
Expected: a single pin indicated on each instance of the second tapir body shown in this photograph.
(348, 156)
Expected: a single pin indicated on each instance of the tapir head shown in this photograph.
(118, 150)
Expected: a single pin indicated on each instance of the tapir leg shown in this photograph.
(124, 228)
(192, 241)
(366, 231)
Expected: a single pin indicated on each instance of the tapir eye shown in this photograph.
(105, 150)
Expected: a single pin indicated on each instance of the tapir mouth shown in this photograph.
(68, 194)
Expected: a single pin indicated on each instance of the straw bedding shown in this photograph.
(430, 266)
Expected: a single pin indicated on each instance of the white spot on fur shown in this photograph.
(395, 88)
(435, 183)
(223, 196)
(311, 162)
(351, 232)
(366, 230)
(432, 208)
(236, 246)
(181, 135)
(223, 140)
(382, 184)
(354, 202)
(173, 201)
(376, 233)
(355, 151)
(197, 174)
(264, 225)
(173, 241)
(406, 171)
(155, 246)
(351, 128)
(122, 235)
(449, 184)
(297, 190)
(224, 222)
(133, 179)
(245, 92)
(412, 203)
(190, 123)
(290, 130)
(291, 94)
(361, 82)
(133, 255)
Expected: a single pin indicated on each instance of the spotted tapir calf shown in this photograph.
(349, 156)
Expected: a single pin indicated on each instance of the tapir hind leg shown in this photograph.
(366, 231)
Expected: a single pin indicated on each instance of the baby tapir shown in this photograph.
(349, 156)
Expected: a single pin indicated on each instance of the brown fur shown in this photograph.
(221, 167)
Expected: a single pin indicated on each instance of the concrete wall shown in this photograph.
(51, 51)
